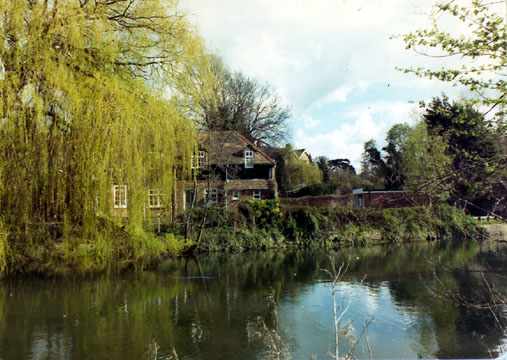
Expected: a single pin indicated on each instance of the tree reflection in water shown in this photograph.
(207, 307)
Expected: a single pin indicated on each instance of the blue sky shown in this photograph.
(331, 61)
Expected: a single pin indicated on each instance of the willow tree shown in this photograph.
(84, 105)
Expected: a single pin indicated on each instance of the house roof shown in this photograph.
(299, 152)
(229, 147)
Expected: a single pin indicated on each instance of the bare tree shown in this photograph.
(339, 311)
(246, 105)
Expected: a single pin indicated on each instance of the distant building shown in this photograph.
(301, 154)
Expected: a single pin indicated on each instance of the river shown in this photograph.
(213, 307)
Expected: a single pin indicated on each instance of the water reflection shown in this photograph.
(207, 307)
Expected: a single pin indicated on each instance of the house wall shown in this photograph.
(120, 212)
(225, 191)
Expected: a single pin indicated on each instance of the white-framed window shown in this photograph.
(210, 196)
(120, 196)
(199, 160)
(249, 159)
(236, 195)
(155, 198)
(257, 195)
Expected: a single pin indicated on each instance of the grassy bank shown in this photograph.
(264, 224)
(254, 225)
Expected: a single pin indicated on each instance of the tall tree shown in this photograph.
(397, 138)
(471, 142)
(234, 101)
(373, 166)
(386, 168)
(341, 165)
(426, 166)
(322, 164)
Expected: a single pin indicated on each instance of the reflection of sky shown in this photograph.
(306, 320)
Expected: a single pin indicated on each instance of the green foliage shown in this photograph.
(482, 52)
(4, 248)
(300, 172)
(322, 164)
(386, 169)
(308, 224)
(453, 221)
(425, 164)
(316, 190)
(262, 213)
(282, 177)
(472, 144)
(84, 106)
(453, 154)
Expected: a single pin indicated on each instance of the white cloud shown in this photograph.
(347, 140)
(323, 58)
(310, 122)
(338, 95)
(307, 48)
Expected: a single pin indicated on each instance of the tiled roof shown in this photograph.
(228, 147)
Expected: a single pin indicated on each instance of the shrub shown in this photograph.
(262, 213)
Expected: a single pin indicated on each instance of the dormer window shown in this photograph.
(249, 159)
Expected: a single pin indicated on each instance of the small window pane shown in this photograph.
(120, 196)
(155, 198)
(199, 160)
(249, 159)
(210, 197)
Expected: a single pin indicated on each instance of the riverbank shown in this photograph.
(261, 225)
(254, 225)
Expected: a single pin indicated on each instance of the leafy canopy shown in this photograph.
(481, 53)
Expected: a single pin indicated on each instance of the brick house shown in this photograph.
(229, 168)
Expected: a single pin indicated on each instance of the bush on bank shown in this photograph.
(262, 224)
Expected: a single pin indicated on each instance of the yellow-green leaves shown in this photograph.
(82, 108)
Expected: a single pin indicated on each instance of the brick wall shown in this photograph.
(319, 201)
(383, 200)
